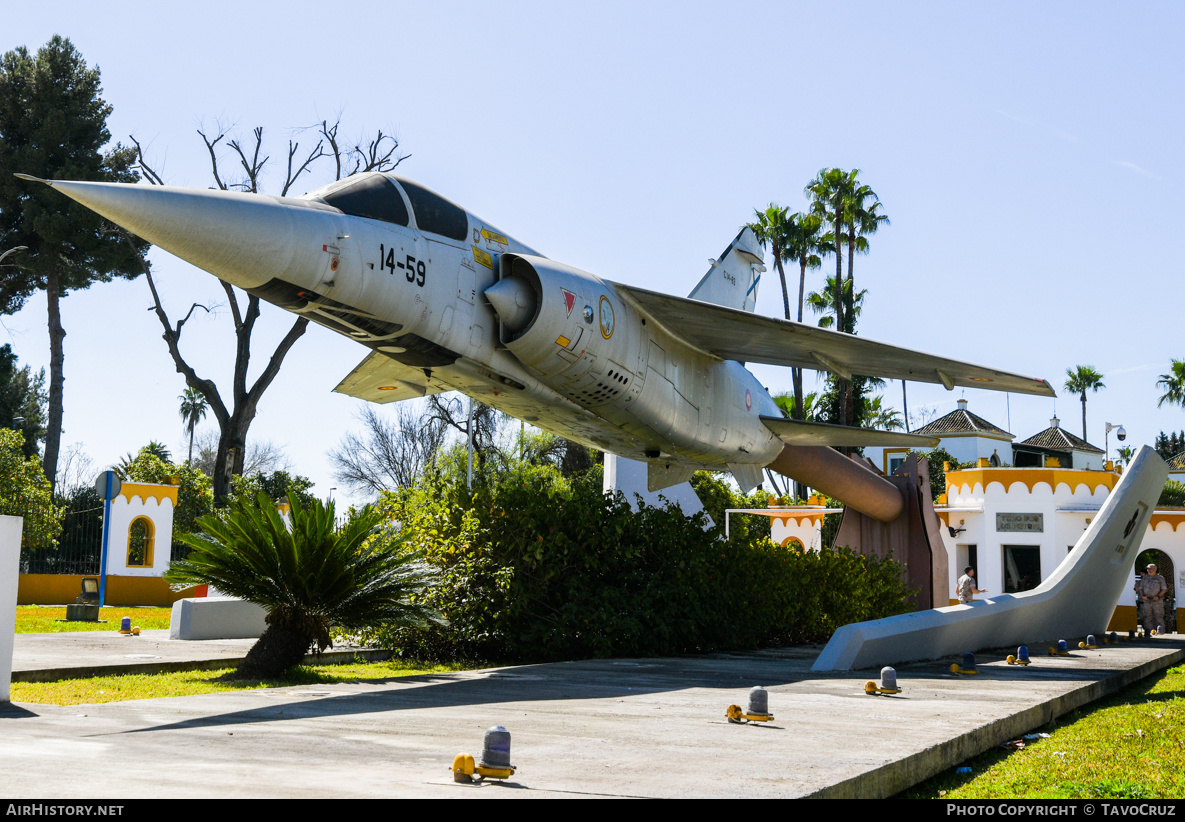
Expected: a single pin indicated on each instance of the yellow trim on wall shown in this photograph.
(1030, 477)
(809, 519)
(148, 490)
(1172, 517)
(59, 589)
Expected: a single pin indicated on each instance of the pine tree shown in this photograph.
(53, 124)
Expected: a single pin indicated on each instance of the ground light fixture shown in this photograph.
(758, 710)
(495, 759)
(968, 666)
(1089, 644)
(888, 684)
(1020, 658)
(1061, 649)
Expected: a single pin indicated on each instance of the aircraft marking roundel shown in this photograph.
(748, 401)
(607, 318)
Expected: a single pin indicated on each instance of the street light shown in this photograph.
(1120, 434)
(9, 251)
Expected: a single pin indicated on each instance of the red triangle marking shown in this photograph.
(569, 300)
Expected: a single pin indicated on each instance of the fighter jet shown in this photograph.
(445, 301)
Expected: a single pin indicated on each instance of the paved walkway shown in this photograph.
(639, 727)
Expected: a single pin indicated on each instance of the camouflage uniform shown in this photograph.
(1154, 587)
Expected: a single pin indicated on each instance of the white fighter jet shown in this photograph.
(447, 302)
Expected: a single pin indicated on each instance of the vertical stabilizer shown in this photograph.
(732, 279)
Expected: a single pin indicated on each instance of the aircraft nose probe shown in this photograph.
(244, 239)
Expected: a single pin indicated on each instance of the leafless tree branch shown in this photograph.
(213, 156)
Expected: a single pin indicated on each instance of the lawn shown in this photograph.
(50, 619)
(186, 683)
(1131, 745)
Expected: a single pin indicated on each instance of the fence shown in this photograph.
(79, 548)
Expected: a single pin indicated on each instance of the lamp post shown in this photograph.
(1120, 434)
(9, 251)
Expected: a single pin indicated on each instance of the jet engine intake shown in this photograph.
(560, 321)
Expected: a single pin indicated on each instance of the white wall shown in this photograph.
(123, 512)
(1061, 529)
(10, 558)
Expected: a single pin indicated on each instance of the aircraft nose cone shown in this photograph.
(514, 301)
(245, 239)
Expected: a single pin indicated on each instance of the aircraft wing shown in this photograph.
(738, 335)
(797, 432)
(378, 378)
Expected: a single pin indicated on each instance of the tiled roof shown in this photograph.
(1060, 439)
(961, 421)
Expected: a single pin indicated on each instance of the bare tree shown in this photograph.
(392, 450)
(262, 456)
(75, 470)
(380, 154)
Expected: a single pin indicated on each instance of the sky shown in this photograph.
(1026, 155)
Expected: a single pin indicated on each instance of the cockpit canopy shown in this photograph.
(379, 197)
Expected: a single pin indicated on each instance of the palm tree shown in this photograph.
(1173, 384)
(310, 576)
(804, 243)
(789, 406)
(829, 192)
(193, 410)
(863, 218)
(882, 417)
(1081, 379)
(772, 227)
(823, 302)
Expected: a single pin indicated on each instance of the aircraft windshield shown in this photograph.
(373, 196)
(436, 214)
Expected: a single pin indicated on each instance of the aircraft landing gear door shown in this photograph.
(467, 281)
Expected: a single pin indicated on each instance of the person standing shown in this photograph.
(1150, 591)
(966, 587)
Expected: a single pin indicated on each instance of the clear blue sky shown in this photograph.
(1026, 155)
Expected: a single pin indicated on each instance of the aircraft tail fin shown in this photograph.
(732, 279)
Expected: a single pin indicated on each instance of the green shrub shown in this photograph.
(535, 565)
(1173, 495)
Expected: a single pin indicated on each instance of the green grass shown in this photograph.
(1131, 745)
(50, 619)
(187, 683)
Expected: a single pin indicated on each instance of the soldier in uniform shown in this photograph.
(1150, 591)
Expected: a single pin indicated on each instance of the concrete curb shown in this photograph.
(902, 774)
(89, 671)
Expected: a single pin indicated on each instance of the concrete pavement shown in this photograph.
(624, 728)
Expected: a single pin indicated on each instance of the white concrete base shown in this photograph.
(216, 618)
(10, 562)
(629, 477)
(1078, 598)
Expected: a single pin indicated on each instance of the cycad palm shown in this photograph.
(1081, 379)
(310, 576)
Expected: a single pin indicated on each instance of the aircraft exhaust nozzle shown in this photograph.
(245, 239)
(514, 301)
(844, 479)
